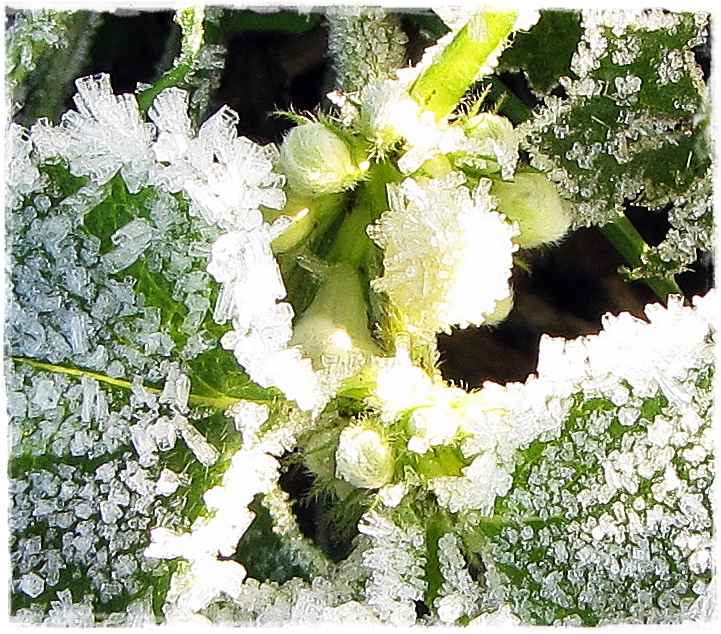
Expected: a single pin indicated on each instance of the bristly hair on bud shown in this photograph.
(317, 161)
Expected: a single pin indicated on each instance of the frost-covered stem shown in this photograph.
(629, 243)
(171, 78)
(364, 43)
(190, 21)
(442, 84)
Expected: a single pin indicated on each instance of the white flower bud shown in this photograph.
(533, 202)
(316, 161)
(363, 458)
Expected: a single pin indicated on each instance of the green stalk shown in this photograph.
(629, 243)
(440, 86)
(352, 244)
(191, 22)
(167, 80)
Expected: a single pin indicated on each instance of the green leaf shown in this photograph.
(243, 21)
(634, 121)
(597, 527)
(99, 344)
(544, 52)
(45, 51)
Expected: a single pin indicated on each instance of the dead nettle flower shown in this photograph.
(447, 253)
(389, 117)
(490, 145)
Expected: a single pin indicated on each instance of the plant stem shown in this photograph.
(352, 244)
(441, 85)
(629, 243)
(171, 78)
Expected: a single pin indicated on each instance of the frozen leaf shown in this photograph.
(610, 520)
(635, 118)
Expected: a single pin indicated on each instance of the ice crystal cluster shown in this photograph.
(364, 43)
(192, 317)
(442, 216)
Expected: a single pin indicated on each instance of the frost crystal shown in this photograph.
(250, 472)
(242, 261)
(21, 175)
(365, 43)
(395, 561)
(436, 237)
(105, 135)
(483, 480)
(622, 494)
(460, 595)
(226, 176)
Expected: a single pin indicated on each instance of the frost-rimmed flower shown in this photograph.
(490, 144)
(105, 135)
(447, 255)
(432, 405)
(227, 177)
(389, 115)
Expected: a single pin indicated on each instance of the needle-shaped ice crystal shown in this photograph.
(103, 136)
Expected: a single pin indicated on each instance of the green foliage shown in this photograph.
(77, 416)
(604, 523)
(41, 44)
(231, 22)
(634, 110)
(262, 552)
(544, 52)
(633, 128)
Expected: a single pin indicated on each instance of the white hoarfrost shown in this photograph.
(251, 471)
(242, 261)
(104, 136)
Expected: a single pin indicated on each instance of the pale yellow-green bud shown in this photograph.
(317, 161)
(490, 145)
(363, 458)
(534, 203)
